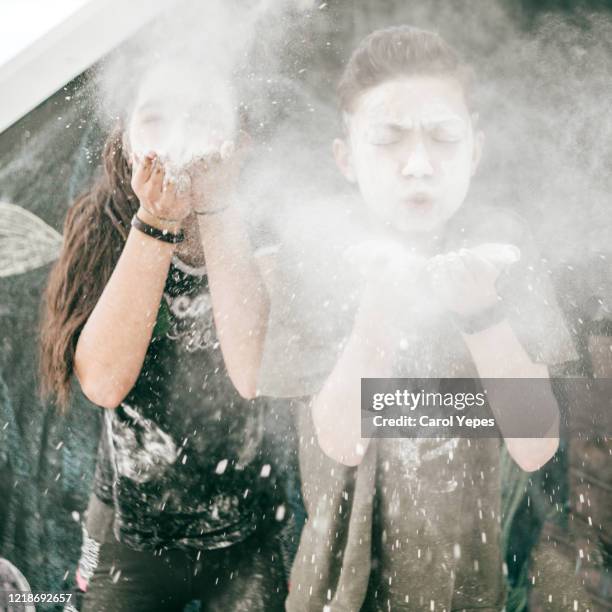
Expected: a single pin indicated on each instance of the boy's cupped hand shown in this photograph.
(464, 281)
(392, 278)
(400, 285)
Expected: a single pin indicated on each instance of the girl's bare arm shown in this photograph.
(113, 343)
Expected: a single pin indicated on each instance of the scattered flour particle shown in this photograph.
(221, 466)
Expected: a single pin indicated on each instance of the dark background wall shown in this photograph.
(46, 461)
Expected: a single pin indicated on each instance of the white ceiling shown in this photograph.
(22, 22)
(46, 43)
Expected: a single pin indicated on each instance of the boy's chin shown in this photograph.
(418, 222)
(425, 220)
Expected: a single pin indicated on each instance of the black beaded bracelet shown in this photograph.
(158, 234)
(481, 320)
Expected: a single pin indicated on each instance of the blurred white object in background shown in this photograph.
(26, 241)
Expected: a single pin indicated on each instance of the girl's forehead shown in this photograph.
(411, 99)
(178, 88)
(169, 82)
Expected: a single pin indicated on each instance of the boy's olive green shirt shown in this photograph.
(416, 526)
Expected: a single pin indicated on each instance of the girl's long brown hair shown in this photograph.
(95, 231)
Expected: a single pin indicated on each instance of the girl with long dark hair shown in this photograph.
(144, 307)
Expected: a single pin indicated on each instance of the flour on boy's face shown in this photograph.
(412, 151)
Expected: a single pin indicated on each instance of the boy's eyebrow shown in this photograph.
(441, 118)
(395, 124)
(409, 123)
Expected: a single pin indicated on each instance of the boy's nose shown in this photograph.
(416, 163)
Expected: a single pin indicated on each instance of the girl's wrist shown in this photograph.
(161, 235)
(170, 225)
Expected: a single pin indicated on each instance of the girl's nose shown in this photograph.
(416, 163)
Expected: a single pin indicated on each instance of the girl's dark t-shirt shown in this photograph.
(182, 458)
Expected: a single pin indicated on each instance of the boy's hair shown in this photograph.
(400, 51)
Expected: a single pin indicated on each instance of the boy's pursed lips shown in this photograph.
(419, 198)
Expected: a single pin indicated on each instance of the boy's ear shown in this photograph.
(479, 139)
(342, 155)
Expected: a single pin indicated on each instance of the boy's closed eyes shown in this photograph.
(444, 130)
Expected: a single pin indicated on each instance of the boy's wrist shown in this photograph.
(481, 320)
(377, 336)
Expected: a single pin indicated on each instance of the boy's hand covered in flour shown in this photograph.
(464, 281)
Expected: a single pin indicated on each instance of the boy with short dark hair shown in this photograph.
(413, 524)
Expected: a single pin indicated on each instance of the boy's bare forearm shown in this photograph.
(112, 346)
(497, 353)
(336, 410)
(240, 299)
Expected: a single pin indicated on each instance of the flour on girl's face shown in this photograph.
(182, 113)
